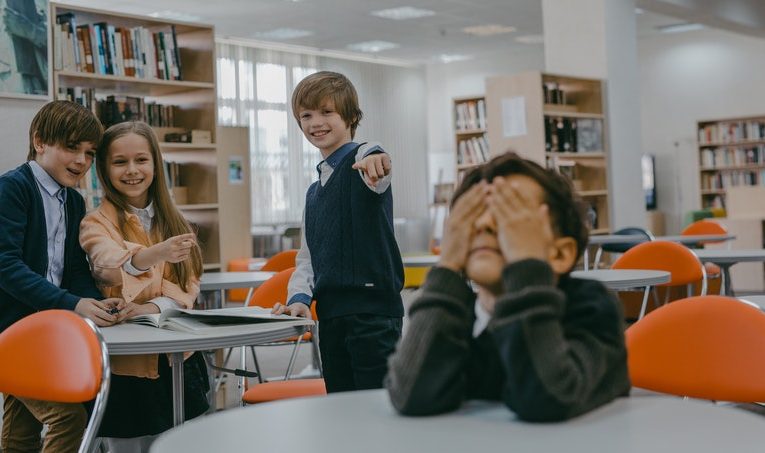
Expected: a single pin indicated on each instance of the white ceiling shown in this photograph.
(337, 23)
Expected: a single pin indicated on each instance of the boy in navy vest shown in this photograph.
(348, 261)
(42, 265)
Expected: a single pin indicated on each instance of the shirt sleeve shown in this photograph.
(369, 149)
(132, 270)
(300, 286)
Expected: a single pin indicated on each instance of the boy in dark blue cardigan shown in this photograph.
(41, 263)
(349, 261)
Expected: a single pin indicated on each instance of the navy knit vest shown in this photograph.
(349, 232)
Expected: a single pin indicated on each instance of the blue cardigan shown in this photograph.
(24, 251)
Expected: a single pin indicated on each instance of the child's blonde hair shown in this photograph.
(168, 221)
(315, 89)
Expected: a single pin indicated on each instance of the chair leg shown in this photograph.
(598, 254)
(292, 358)
(316, 355)
(645, 302)
(219, 380)
(257, 365)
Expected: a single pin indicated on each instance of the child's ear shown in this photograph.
(37, 143)
(563, 255)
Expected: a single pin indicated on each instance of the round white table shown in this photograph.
(355, 422)
(689, 239)
(758, 300)
(221, 281)
(725, 258)
(129, 339)
(620, 279)
(420, 260)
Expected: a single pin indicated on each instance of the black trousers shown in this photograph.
(355, 349)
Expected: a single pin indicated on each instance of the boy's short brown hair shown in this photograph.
(313, 90)
(64, 123)
(566, 209)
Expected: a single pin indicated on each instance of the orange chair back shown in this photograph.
(52, 355)
(274, 290)
(683, 265)
(706, 347)
(281, 261)
(704, 227)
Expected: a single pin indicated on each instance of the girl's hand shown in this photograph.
(458, 232)
(176, 249)
(374, 167)
(132, 310)
(523, 225)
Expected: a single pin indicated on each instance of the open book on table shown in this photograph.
(202, 321)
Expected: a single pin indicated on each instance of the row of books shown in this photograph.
(715, 181)
(731, 132)
(729, 157)
(116, 109)
(474, 150)
(470, 115)
(573, 135)
(102, 48)
(553, 94)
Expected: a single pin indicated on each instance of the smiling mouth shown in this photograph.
(74, 172)
(133, 182)
(319, 133)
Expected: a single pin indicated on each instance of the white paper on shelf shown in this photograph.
(514, 116)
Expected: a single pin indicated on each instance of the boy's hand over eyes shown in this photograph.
(459, 227)
(374, 167)
(523, 225)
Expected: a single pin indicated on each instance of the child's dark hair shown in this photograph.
(65, 124)
(313, 90)
(566, 209)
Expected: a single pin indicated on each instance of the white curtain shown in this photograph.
(254, 89)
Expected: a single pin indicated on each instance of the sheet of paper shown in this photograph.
(514, 116)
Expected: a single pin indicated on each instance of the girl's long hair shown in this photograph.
(168, 221)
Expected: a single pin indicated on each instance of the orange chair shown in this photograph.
(266, 295)
(279, 262)
(683, 265)
(280, 390)
(705, 226)
(55, 355)
(701, 347)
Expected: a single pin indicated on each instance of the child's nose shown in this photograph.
(485, 221)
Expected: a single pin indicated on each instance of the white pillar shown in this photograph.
(597, 38)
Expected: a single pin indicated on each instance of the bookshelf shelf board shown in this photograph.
(186, 146)
(198, 207)
(733, 167)
(593, 193)
(712, 191)
(130, 85)
(600, 231)
(470, 132)
(210, 266)
(579, 155)
(567, 114)
(730, 144)
(467, 98)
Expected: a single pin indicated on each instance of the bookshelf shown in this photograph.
(557, 121)
(128, 67)
(471, 144)
(731, 153)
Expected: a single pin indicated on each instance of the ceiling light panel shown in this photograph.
(371, 46)
(280, 34)
(488, 30)
(403, 13)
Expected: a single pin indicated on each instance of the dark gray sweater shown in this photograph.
(549, 353)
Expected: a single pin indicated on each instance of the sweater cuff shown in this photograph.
(69, 301)
(300, 298)
(526, 273)
(446, 281)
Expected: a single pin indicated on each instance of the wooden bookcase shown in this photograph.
(186, 81)
(557, 121)
(471, 145)
(731, 153)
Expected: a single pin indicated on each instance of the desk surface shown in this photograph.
(625, 278)
(128, 338)
(212, 281)
(366, 422)
(730, 256)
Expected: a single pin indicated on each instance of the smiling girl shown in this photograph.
(142, 249)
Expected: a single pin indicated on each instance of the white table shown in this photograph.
(355, 422)
(690, 239)
(725, 258)
(758, 300)
(620, 279)
(128, 339)
(221, 281)
(420, 260)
